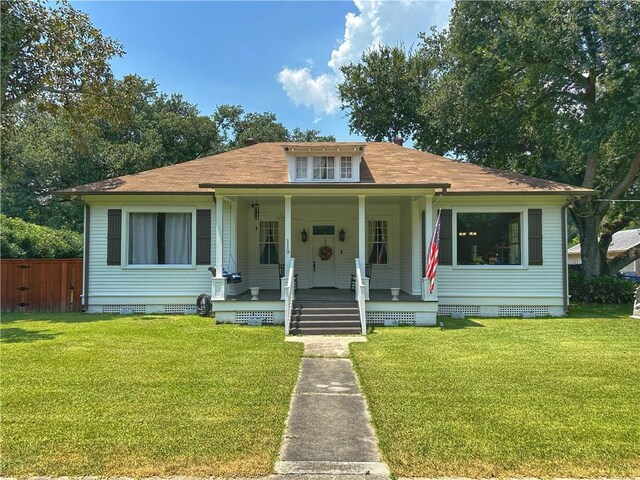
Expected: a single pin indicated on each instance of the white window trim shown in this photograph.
(124, 246)
(269, 266)
(389, 263)
(337, 169)
(524, 237)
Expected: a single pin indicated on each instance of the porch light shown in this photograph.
(342, 235)
(256, 210)
(304, 236)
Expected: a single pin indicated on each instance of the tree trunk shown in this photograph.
(594, 262)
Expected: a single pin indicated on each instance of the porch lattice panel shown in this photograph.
(467, 310)
(243, 317)
(186, 309)
(518, 311)
(399, 318)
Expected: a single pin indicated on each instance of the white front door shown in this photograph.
(323, 256)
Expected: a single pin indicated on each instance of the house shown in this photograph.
(318, 226)
(621, 242)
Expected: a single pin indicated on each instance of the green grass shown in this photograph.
(142, 395)
(508, 397)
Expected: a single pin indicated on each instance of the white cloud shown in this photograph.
(377, 22)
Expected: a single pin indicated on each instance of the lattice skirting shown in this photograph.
(525, 310)
(124, 309)
(244, 317)
(395, 318)
(467, 310)
(186, 309)
(174, 309)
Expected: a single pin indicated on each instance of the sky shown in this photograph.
(281, 57)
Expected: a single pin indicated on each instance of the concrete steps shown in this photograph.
(325, 318)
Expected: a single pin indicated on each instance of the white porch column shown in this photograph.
(218, 284)
(362, 241)
(287, 244)
(428, 232)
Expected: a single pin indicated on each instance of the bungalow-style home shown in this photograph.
(326, 238)
(621, 242)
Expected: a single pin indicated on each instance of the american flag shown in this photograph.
(432, 259)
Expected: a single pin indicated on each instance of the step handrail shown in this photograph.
(360, 295)
(288, 297)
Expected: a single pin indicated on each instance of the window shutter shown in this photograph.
(114, 236)
(446, 238)
(203, 237)
(535, 236)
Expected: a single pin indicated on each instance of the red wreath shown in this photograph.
(325, 252)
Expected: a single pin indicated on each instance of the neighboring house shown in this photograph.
(151, 236)
(621, 242)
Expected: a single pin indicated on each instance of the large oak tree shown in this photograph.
(544, 88)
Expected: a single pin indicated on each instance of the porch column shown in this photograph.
(218, 284)
(362, 242)
(287, 244)
(428, 232)
(417, 250)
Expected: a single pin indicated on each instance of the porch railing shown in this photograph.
(288, 297)
(360, 294)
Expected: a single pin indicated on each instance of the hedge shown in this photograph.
(20, 239)
(602, 289)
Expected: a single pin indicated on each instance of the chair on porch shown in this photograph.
(295, 278)
(368, 269)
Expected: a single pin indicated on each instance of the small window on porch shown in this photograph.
(345, 168)
(377, 241)
(324, 168)
(301, 168)
(269, 243)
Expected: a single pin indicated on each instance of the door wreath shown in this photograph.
(325, 252)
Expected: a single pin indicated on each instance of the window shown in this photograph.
(377, 242)
(324, 168)
(268, 242)
(345, 168)
(159, 239)
(301, 168)
(489, 239)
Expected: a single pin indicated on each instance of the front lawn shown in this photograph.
(508, 397)
(109, 395)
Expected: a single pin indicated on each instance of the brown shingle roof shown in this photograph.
(384, 164)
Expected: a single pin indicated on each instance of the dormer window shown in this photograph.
(301, 168)
(345, 168)
(324, 168)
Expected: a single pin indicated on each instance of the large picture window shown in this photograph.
(489, 239)
(268, 242)
(159, 238)
(377, 242)
(324, 168)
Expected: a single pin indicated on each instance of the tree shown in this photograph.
(236, 127)
(543, 88)
(53, 53)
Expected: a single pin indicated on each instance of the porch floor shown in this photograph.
(328, 294)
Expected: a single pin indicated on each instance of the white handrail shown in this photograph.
(360, 292)
(288, 297)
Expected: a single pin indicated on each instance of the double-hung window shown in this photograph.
(377, 242)
(345, 168)
(324, 168)
(160, 238)
(301, 168)
(269, 244)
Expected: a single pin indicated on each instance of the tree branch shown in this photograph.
(590, 171)
(624, 259)
(630, 177)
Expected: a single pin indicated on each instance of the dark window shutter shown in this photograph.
(114, 236)
(446, 238)
(203, 237)
(535, 236)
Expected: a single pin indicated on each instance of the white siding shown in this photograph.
(405, 246)
(497, 285)
(243, 229)
(114, 284)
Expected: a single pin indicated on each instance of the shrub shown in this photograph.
(20, 239)
(602, 289)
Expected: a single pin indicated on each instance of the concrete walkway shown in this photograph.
(328, 430)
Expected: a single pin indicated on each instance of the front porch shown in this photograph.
(333, 245)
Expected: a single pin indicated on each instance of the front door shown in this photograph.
(323, 256)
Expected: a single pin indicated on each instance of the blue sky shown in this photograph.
(282, 57)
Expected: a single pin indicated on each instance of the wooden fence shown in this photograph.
(41, 285)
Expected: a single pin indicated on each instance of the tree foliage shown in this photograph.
(53, 53)
(543, 88)
(19, 239)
